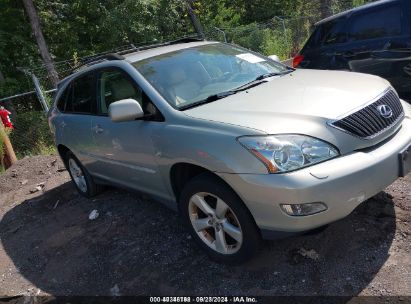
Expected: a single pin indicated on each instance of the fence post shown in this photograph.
(221, 31)
(9, 157)
(39, 93)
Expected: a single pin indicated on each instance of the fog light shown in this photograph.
(303, 209)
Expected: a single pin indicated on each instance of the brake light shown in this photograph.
(297, 60)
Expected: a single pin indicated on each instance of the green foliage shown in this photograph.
(277, 43)
(9, 87)
(16, 47)
(32, 136)
(78, 28)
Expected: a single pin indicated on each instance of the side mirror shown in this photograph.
(125, 110)
(274, 57)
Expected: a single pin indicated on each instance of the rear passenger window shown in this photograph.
(379, 23)
(80, 96)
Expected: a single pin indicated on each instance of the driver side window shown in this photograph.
(114, 85)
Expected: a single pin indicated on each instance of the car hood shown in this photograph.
(283, 103)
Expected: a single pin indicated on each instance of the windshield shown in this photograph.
(191, 75)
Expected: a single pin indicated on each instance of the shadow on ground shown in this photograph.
(142, 247)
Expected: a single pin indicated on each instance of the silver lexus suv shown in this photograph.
(242, 146)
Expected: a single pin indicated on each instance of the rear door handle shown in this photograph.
(98, 129)
(62, 124)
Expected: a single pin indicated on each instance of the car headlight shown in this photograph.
(284, 153)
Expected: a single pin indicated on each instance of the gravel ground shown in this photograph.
(138, 247)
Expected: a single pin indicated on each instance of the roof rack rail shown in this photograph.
(90, 60)
(132, 48)
(142, 47)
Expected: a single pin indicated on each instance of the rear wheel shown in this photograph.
(218, 220)
(81, 178)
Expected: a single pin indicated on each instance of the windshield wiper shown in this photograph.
(209, 99)
(257, 81)
(268, 75)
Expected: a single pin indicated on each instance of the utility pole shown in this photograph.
(194, 19)
(41, 42)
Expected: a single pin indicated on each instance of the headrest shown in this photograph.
(177, 75)
(122, 89)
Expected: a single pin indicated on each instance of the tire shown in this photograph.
(226, 231)
(82, 180)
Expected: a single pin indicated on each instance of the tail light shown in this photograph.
(297, 60)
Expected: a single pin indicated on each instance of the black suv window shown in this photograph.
(114, 85)
(328, 33)
(80, 96)
(382, 22)
(334, 32)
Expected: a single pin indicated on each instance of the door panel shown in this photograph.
(123, 151)
(76, 130)
(78, 104)
(125, 154)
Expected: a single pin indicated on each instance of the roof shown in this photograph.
(354, 10)
(140, 55)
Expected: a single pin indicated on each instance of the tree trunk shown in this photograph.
(194, 19)
(41, 42)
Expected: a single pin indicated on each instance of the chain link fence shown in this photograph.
(278, 36)
(30, 134)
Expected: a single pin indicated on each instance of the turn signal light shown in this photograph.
(297, 60)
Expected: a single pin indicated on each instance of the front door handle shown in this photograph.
(98, 129)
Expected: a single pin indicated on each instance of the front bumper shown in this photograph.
(341, 183)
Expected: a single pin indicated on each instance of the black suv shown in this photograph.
(374, 39)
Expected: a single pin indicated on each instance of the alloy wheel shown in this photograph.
(78, 175)
(215, 223)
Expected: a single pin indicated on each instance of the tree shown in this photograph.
(325, 8)
(41, 42)
(194, 20)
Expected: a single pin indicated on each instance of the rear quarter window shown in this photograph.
(61, 102)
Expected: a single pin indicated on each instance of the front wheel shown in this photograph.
(218, 220)
(81, 178)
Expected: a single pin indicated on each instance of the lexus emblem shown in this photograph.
(385, 111)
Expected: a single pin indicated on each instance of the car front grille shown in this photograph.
(369, 122)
